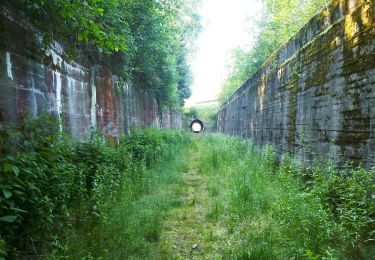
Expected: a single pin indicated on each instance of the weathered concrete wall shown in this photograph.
(82, 96)
(315, 97)
(171, 119)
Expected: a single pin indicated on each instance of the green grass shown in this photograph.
(86, 199)
(95, 200)
(132, 225)
(272, 212)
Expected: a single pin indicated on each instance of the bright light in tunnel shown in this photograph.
(196, 127)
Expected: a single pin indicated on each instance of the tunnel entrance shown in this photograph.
(196, 126)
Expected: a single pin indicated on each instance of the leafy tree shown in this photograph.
(163, 32)
(148, 42)
(279, 21)
(90, 22)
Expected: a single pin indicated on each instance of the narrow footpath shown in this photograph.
(187, 231)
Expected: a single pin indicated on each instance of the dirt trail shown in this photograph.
(187, 232)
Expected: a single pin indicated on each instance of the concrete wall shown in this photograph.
(81, 94)
(315, 97)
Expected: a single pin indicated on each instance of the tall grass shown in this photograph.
(131, 225)
(85, 199)
(281, 211)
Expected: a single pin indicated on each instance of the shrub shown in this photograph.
(285, 211)
(53, 185)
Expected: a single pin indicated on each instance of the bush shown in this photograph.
(348, 194)
(52, 185)
(284, 211)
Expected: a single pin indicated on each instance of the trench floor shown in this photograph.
(187, 231)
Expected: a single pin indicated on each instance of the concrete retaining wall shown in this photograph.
(315, 97)
(81, 95)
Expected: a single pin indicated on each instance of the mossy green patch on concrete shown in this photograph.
(358, 33)
(293, 89)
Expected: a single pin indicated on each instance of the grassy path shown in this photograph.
(188, 232)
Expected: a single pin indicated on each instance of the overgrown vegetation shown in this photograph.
(148, 42)
(92, 199)
(281, 211)
(206, 113)
(279, 21)
(85, 199)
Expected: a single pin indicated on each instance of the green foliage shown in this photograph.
(130, 224)
(279, 21)
(92, 22)
(189, 115)
(349, 195)
(283, 211)
(2, 248)
(54, 193)
(205, 113)
(161, 43)
(92, 199)
(147, 42)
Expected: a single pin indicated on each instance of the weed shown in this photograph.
(96, 198)
(284, 211)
